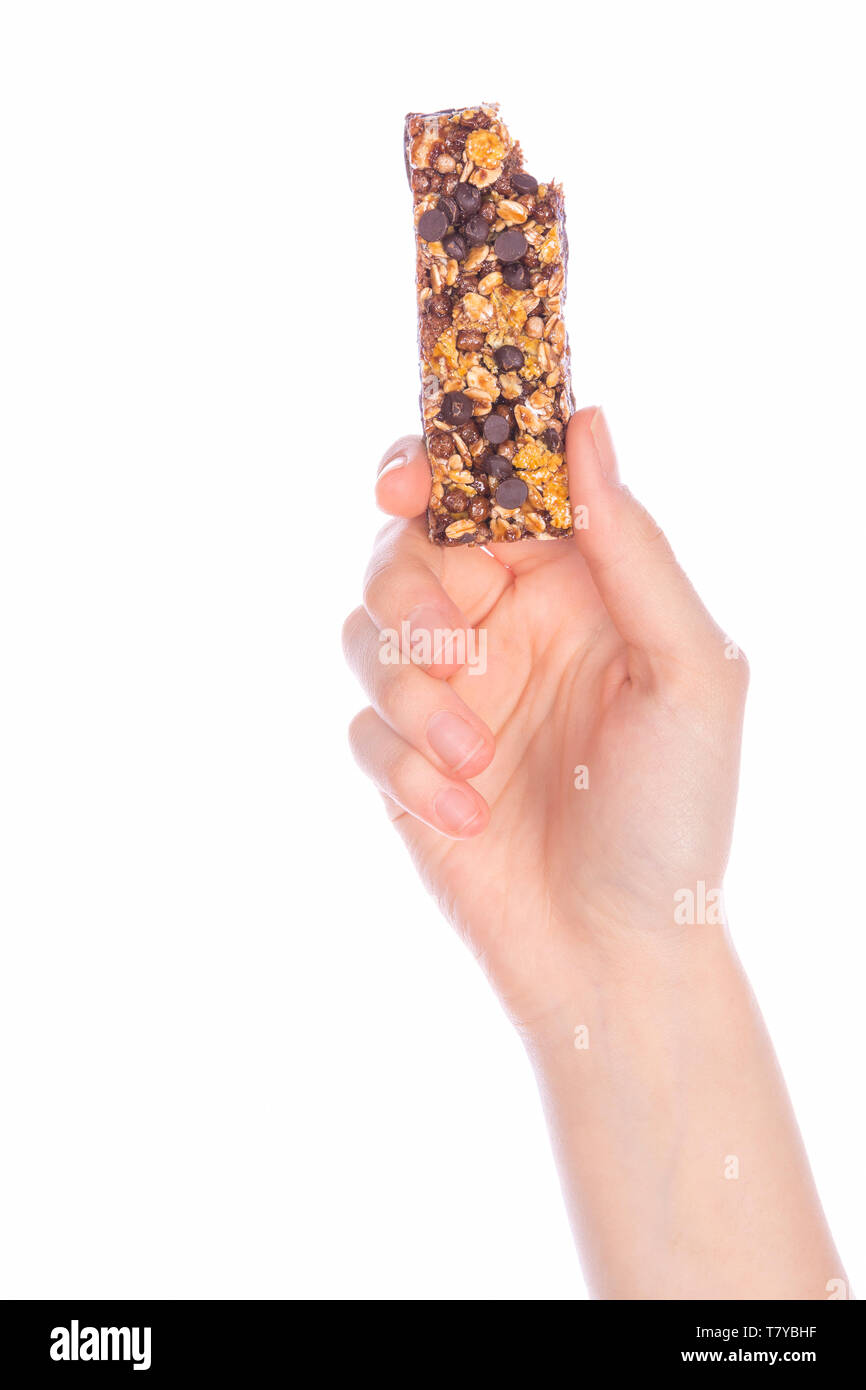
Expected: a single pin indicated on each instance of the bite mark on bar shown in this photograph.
(490, 282)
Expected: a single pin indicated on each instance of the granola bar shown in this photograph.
(490, 283)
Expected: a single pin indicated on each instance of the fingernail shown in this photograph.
(388, 465)
(604, 446)
(455, 741)
(456, 810)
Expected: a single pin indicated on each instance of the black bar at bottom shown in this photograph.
(199, 1342)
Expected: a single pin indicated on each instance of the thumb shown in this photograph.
(650, 600)
(403, 479)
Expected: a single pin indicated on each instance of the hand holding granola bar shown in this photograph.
(560, 799)
(602, 743)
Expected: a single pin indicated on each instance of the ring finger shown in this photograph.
(427, 713)
(453, 808)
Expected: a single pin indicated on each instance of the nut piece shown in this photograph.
(526, 420)
(463, 527)
(485, 149)
(550, 249)
(510, 384)
(479, 379)
(490, 282)
(475, 258)
(483, 178)
(541, 402)
(478, 309)
(421, 148)
(511, 212)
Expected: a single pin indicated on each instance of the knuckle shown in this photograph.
(399, 770)
(386, 534)
(378, 587)
(372, 591)
(358, 733)
(391, 695)
(351, 628)
(646, 529)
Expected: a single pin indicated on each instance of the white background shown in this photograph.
(240, 1053)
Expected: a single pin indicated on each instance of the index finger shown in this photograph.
(405, 598)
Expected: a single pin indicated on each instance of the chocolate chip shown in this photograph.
(511, 493)
(476, 230)
(552, 439)
(453, 245)
(516, 276)
(432, 224)
(500, 467)
(508, 358)
(455, 500)
(496, 429)
(441, 445)
(456, 408)
(479, 509)
(468, 198)
(509, 245)
(470, 340)
(524, 183)
(449, 207)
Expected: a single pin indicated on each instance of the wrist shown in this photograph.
(657, 979)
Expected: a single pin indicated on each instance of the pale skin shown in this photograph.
(681, 1163)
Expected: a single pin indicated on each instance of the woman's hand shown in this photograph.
(599, 656)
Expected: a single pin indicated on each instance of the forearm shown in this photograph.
(681, 1162)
